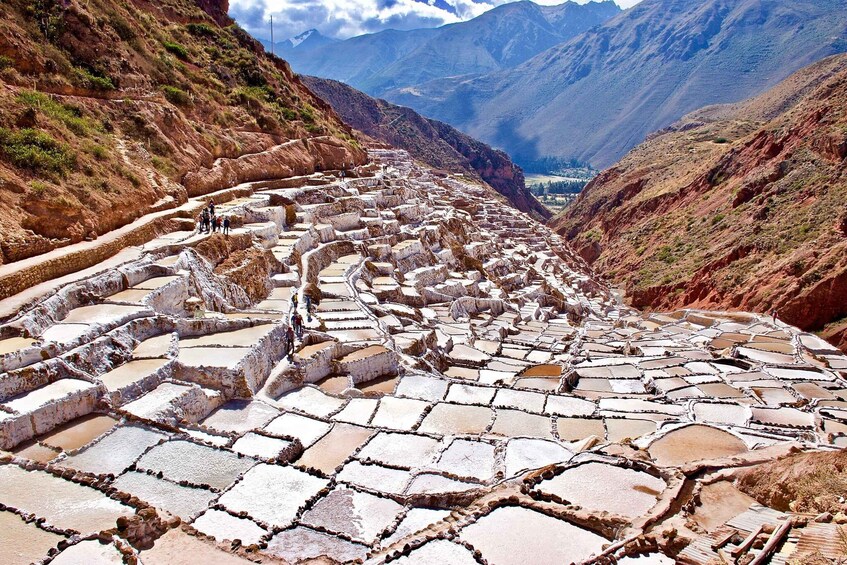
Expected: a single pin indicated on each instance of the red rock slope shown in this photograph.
(738, 207)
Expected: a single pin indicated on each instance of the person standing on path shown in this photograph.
(289, 343)
(226, 225)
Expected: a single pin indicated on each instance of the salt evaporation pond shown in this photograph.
(358, 515)
(334, 448)
(180, 460)
(694, 443)
(64, 504)
(224, 526)
(114, 452)
(509, 535)
(603, 487)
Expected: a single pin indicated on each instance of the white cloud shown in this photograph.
(347, 18)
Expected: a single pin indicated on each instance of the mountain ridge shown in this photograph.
(500, 38)
(737, 207)
(435, 143)
(597, 95)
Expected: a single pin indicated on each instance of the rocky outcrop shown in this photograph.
(735, 207)
(431, 141)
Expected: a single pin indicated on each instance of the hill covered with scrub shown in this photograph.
(112, 110)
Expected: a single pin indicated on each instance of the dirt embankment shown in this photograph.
(737, 207)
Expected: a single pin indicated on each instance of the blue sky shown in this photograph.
(346, 18)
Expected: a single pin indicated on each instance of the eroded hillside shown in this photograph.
(435, 143)
(112, 110)
(736, 206)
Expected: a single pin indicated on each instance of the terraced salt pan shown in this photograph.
(36, 452)
(465, 458)
(223, 526)
(358, 515)
(89, 552)
(241, 416)
(436, 552)
(783, 417)
(577, 429)
(154, 347)
(30, 544)
(398, 413)
(434, 484)
(178, 548)
(181, 460)
(514, 423)
(421, 387)
(509, 534)
(15, 344)
(600, 487)
(246, 337)
(301, 544)
(618, 430)
(79, 432)
(307, 430)
(102, 314)
(400, 450)
(523, 454)
(378, 387)
(63, 334)
(529, 401)
(156, 282)
(181, 501)
(272, 493)
(115, 452)
(131, 373)
(310, 400)
(157, 402)
(721, 413)
(334, 448)
(414, 521)
(35, 399)
(694, 443)
(374, 477)
(63, 504)
(469, 394)
(224, 357)
(453, 419)
(263, 447)
(358, 411)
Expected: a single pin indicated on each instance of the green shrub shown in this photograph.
(717, 218)
(88, 79)
(122, 27)
(98, 151)
(36, 150)
(69, 115)
(176, 49)
(49, 15)
(5, 63)
(201, 30)
(288, 113)
(176, 95)
(721, 140)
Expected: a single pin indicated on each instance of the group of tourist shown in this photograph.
(295, 326)
(208, 222)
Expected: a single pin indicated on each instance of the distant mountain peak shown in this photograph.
(298, 39)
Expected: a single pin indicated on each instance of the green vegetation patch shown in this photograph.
(87, 79)
(67, 114)
(37, 151)
(176, 95)
(176, 49)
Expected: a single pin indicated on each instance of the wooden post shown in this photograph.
(774, 540)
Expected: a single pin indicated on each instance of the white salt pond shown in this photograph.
(602, 487)
(509, 534)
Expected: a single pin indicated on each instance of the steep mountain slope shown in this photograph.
(498, 39)
(739, 207)
(109, 111)
(601, 93)
(433, 142)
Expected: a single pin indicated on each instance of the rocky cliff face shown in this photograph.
(738, 207)
(107, 109)
(433, 142)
